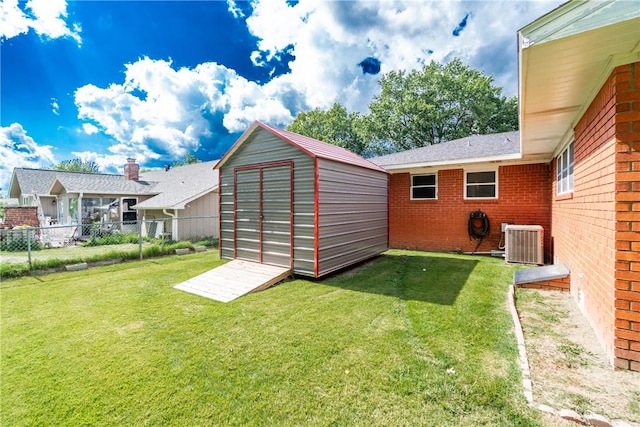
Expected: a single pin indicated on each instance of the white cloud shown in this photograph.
(330, 38)
(107, 163)
(55, 107)
(46, 17)
(234, 9)
(163, 110)
(89, 128)
(13, 21)
(159, 111)
(19, 150)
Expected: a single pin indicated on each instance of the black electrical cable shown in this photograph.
(478, 226)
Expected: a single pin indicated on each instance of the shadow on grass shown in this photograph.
(434, 278)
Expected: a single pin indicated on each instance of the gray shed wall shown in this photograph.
(260, 148)
(353, 214)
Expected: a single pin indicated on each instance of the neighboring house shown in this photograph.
(188, 193)
(293, 201)
(30, 187)
(574, 168)
(86, 198)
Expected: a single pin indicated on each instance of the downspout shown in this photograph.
(174, 223)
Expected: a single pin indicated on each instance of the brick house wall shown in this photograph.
(596, 229)
(442, 225)
(15, 216)
(627, 268)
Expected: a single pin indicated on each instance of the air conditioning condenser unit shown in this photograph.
(524, 244)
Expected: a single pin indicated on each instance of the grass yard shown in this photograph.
(67, 252)
(409, 339)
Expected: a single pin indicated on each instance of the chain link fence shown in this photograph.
(56, 245)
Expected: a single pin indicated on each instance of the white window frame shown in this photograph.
(466, 184)
(435, 186)
(564, 170)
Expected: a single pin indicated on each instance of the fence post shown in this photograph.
(140, 225)
(28, 230)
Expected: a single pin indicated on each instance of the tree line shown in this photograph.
(89, 166)
(414, 109)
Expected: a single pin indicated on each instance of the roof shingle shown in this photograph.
(480, 147)
(169, 189)
(178, 186)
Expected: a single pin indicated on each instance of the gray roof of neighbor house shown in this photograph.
(30, 181)
(178, 186)
(170, 189)
(97, 183)
(471, 149)
(43, 181)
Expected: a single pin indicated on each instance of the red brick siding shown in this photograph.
(626, 81)
(441, 225)
(563, 284)
(592, 228)
(15, 216)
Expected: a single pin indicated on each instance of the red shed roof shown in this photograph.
(311, 146)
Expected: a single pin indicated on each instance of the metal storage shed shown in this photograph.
(296, 202)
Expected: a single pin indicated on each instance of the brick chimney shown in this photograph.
(131, 170)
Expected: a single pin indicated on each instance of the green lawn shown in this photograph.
(409, 339)
(67, 252)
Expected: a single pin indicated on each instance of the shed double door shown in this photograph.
(263, 213)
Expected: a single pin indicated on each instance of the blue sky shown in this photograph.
(155, 80)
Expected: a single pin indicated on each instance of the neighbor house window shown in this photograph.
(424, 187)
(564, 171)
(99, 209)
(481, 185)
(73, 209)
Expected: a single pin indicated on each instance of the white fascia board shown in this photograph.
(178, 205)
(576, 17)
(14, 185)
(53, 184)
(156, 208)
(442, 164)
(547, 27)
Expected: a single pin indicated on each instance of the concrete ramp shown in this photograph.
(234, 279)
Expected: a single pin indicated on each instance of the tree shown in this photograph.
(77, 165)
(188, 159)
(438, 103)
(335, 126)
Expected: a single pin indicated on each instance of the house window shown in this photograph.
(564, 171)
(481, 185)
(73, 210)
(99, 209)
(424, 187)
(129, 214)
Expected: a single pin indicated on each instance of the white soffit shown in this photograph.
(565, 57)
